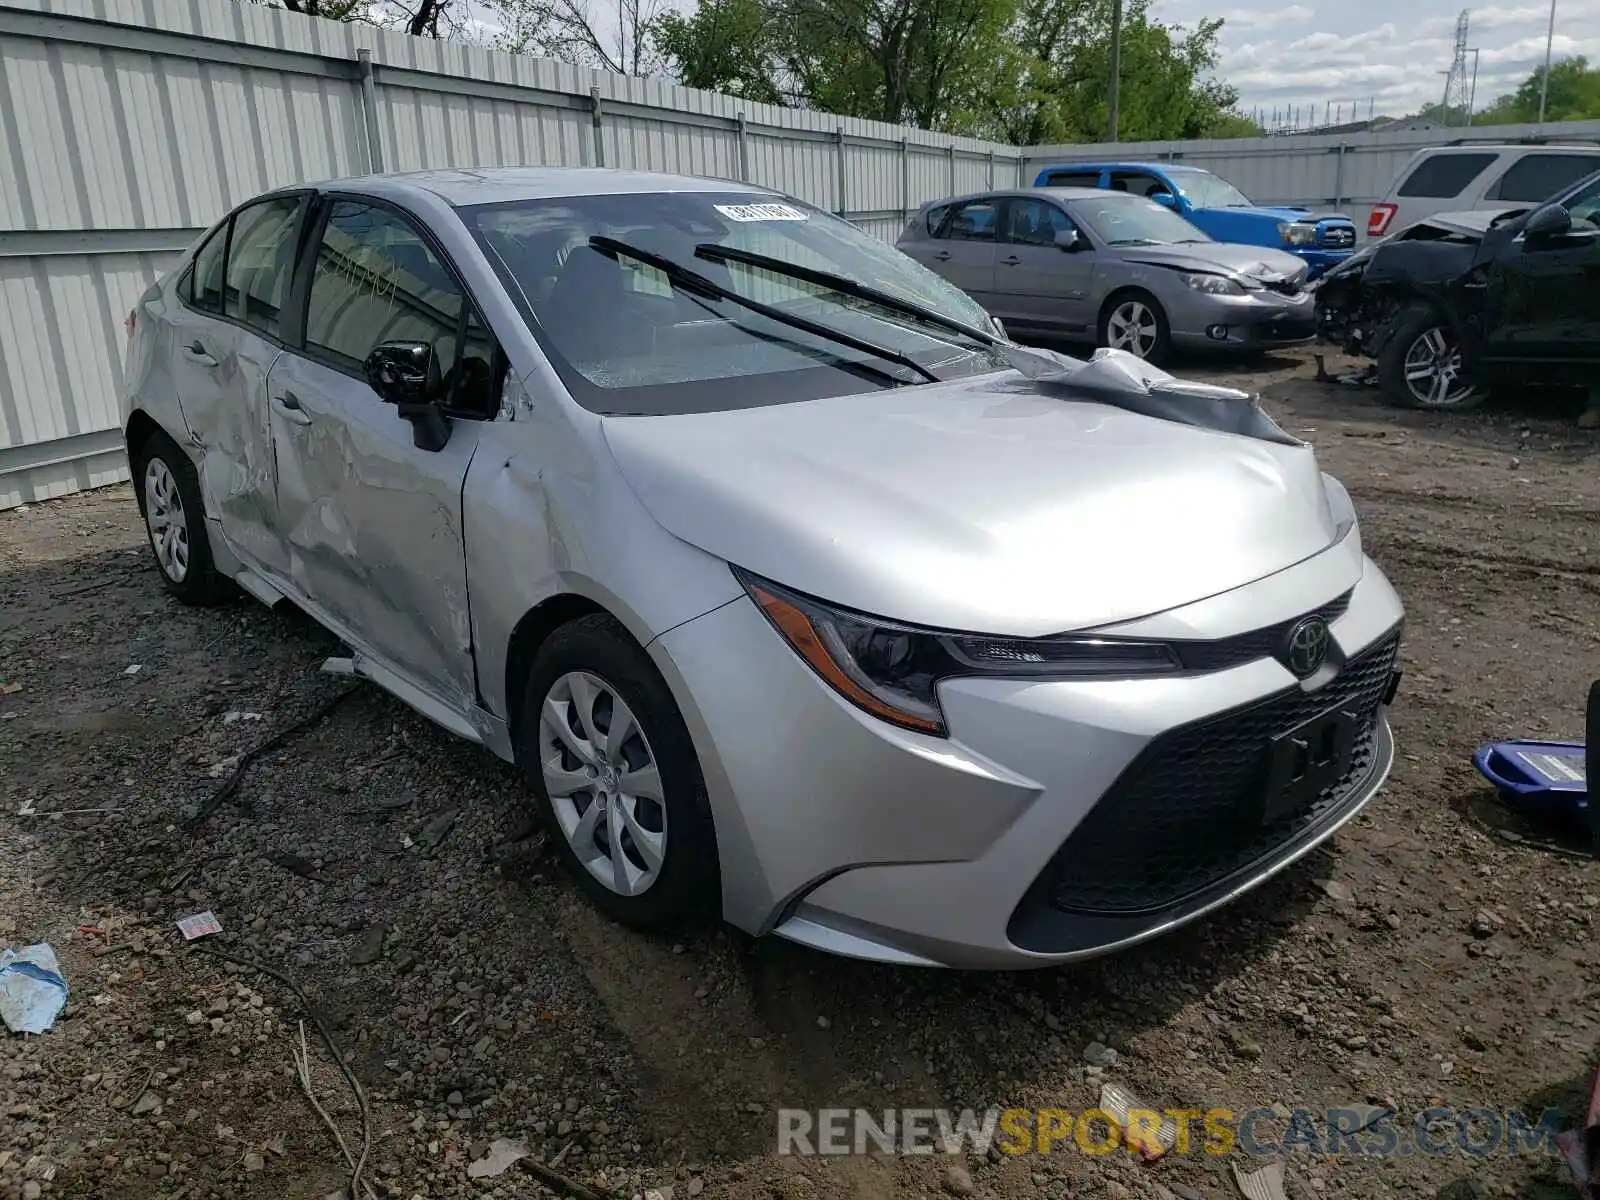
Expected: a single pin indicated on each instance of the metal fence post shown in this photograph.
(744, 149)
(950, 150)
(369, 111)
(990, 184)
(905, 182)
(1022, 171)
(1338, 178)
(838, 141)
(599, 136)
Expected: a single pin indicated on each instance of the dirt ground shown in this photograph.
(1435, 953)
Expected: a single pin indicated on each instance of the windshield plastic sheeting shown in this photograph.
(1125, 381)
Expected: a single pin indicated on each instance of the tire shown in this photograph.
(669, 870)
(174, 519)
(1421, 341)
(1130, 308)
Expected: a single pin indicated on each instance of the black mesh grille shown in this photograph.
(1287, 287)
(1185, 814)
(1266, 642)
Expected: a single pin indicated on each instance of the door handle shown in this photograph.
(943, 256)
(1012, 261)
(289, 405)
(196, 351)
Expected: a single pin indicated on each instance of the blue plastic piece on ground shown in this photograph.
(32, 989)
(1546, 779)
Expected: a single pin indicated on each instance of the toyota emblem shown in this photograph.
(1306, 648)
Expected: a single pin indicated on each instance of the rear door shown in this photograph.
(1540, 297)
(225, 340)
(962, 247)
(1038, 285)
(369, 522)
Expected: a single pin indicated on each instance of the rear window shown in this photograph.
(1540, 177)
(1083, 179)
(1444, 176)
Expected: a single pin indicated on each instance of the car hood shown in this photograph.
(1475, 222)
(1282, 213)
(985, 505)
(1255, 262)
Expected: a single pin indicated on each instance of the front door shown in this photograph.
(1540, 292)
(370, 523)
(1038, 284)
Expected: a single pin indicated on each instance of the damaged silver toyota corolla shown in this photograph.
(795, 588)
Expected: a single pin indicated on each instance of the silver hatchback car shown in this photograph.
(799, 594)
(1113, 269)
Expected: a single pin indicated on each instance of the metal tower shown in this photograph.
(1458, 80)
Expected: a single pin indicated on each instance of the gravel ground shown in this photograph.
(1434, 953)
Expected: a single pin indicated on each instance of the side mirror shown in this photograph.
(406, 375)
(1068, 239)
(1165, 199)
(1551, 221)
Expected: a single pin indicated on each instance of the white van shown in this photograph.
(1479, 175)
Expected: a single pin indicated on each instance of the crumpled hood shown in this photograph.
(984, 505)
(1257, 262)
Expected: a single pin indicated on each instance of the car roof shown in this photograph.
(493, 185)
(1119, 166)
(1025, 193)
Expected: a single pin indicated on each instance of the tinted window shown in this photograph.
(974, 221)
(205, 277)
(1137, 183)
(936, 217)
(377, 280)
(626, 339)
(1539, 177)
(261, 260)
(1444, 176)
(1087, 179)
(1034, 223)
(1585, 209)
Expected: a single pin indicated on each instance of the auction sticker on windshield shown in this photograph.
(760, 212)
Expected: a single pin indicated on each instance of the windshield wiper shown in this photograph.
(692, 282)
(1135, 242)
(714, 252)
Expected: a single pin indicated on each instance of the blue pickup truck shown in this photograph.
(1218, 209)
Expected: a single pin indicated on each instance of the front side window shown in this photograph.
(205, 276)
(376, 279)
(1444, 176)
(1133, 221)
(1584, 206)
(261, 261)
(1035, 223)
(628, 338)
(1205, 190)
(1137, 183)
(1536, 178)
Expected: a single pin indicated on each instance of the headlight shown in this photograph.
(1297, 234)
(892, 670)
(1215, 285)
(1342, 507)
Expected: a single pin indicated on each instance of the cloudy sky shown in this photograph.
(1356, 51)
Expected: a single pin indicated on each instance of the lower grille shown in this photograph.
(1185, 814)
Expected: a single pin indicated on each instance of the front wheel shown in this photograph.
(1135, 322)
(1422, 365)
(611, 761)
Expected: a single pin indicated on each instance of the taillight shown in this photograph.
(1378, 222)
(129, 321)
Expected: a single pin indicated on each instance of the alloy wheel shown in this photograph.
(166, 520)
(1132, 327)
(1434, 371)
(603, 782)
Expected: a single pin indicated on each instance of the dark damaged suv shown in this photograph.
(1458, 302)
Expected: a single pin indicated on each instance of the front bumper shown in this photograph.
(1255, 321)
(991, 849)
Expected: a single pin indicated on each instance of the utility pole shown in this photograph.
(1544, 84)
(1116, 62)
(1472, 92)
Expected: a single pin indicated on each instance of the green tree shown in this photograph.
(1574, 96)
(727, 46)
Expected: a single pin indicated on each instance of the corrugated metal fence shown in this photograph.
(127, 126)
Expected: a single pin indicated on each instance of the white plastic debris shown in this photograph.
(32, 989)
(1120, 1103)
(133, 668)
(503, 1153)
(199, 925)
(1265, 1184)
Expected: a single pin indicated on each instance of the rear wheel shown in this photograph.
(616, 775)
(1422, 365)
(1135, 322)
(174, 518)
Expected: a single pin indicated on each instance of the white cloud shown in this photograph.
(1360, 54)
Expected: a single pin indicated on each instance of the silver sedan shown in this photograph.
(799, 594)
(1114, 269)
